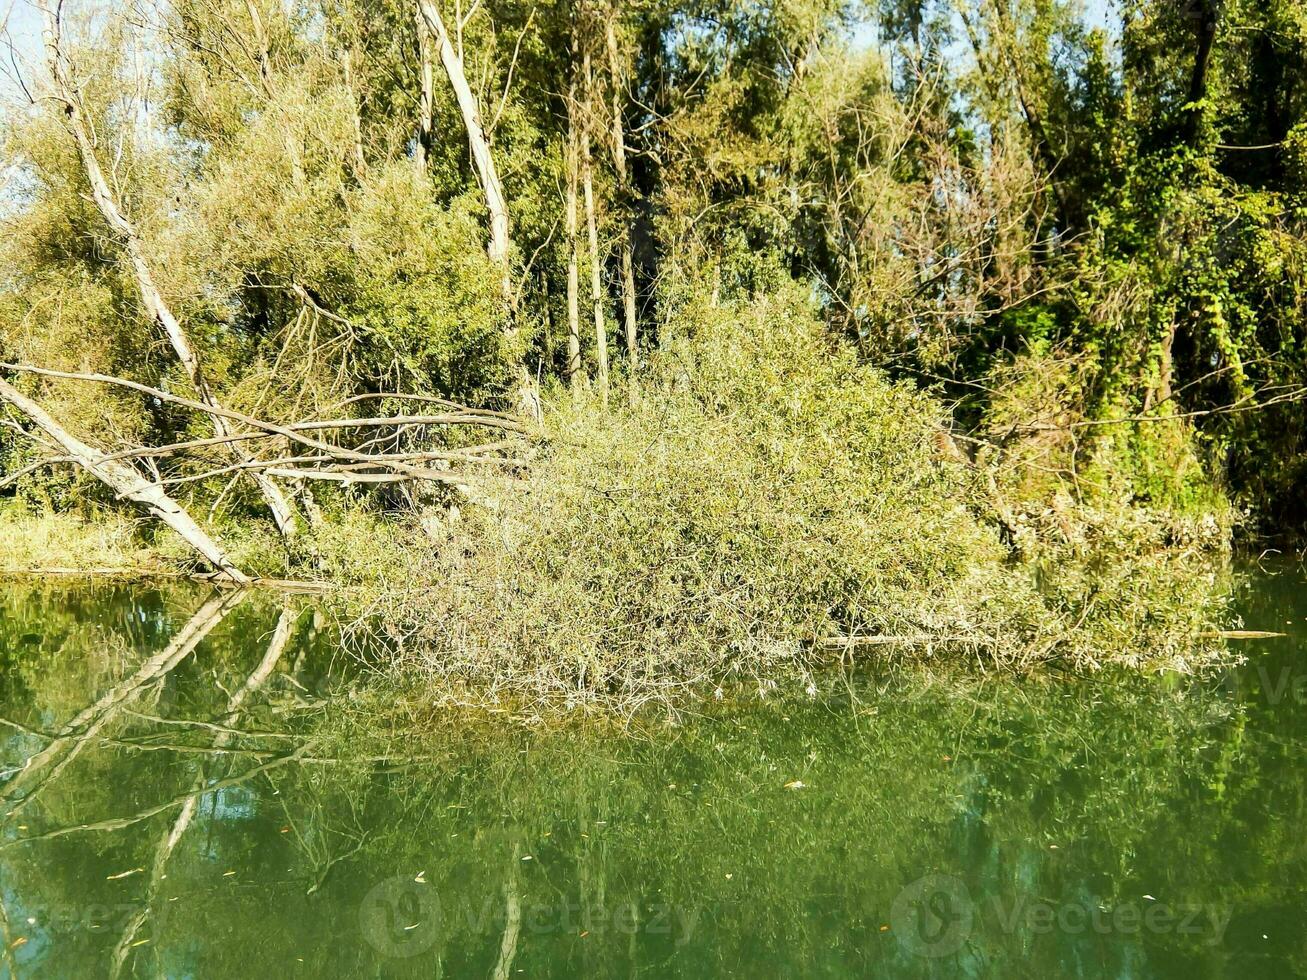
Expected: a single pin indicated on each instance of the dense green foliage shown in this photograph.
(970, 188)
(760, 494)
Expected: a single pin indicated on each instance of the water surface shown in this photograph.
(177, 802)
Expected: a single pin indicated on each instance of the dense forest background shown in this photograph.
(1083, 230)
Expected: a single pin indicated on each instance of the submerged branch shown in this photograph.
(120, 823)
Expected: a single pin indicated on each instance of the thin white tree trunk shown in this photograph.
(573, 264)
(151, 298)
(628, 302)
(500, 246)
(619, 165)
(260, 40)
(127, 483)
(596, 268)
(356, 123)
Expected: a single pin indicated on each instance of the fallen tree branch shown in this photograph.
(17, 475)
(448, 418)
(128, 484)
(464, 416)
(287, 464)
(429, 399)
(883, 639)
(346, 476)
(293, 432)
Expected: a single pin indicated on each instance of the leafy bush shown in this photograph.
(760, 493)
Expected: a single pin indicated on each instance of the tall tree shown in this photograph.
(152, 299)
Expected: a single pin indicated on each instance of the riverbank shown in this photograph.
(760, 506)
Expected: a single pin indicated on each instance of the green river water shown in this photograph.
(170, 807)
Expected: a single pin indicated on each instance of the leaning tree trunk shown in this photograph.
(483, 160)
(151, 297)
(126, 482)
(492, 187)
